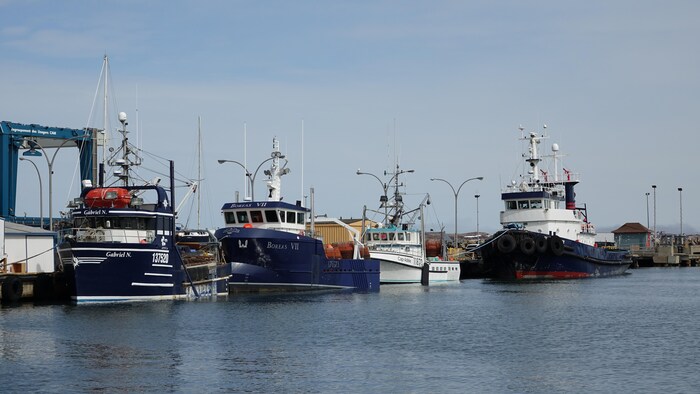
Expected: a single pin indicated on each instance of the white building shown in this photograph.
(30, 247)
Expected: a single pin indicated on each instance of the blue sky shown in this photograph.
(441, 87)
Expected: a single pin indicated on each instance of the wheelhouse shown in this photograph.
(531, 200)
(275, 215)
(391, 235)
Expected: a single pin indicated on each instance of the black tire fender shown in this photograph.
(527, 246)
(556, 245)
(506, 243)
(541, 244)
(12, 289)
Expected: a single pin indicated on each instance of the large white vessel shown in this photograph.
(401, 248)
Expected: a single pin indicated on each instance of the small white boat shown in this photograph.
(401, 248)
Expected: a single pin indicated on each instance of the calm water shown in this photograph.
(635, 333)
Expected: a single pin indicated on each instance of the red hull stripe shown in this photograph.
(550, 275)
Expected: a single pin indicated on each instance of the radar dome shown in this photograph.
(555, 147)
(122, 117)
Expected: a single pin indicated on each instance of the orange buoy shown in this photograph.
(432, 247)
(331, 252)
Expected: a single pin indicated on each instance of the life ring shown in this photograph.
(506, 243)
(527, 246)
(11, 289)
(556, 245)
(541, 244)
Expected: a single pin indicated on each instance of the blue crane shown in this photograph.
(34, 140)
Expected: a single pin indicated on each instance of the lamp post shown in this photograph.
(477, 214)
(647, 194)
(383, 198)
(251, 177)
(653, 187)
(247, 173)
(456, 194)
(41, 193)
(252, 180)
(680, 196)
(32, 152)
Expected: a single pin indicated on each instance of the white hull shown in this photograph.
(396, 268)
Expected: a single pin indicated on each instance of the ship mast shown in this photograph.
(274, 183)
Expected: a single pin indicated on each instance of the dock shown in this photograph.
(666, 256)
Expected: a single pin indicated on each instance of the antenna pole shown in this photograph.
(199, 165)
(302, 159)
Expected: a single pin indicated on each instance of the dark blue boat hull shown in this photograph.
(269, 260)
(568, 260)
(108, 273)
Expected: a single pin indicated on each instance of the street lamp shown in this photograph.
(680, 195)
(251, 178)
(477, 214)
(41, 193)
(384, 199)
(654, 189)
(33, 152)
(647, 194)
(247, 173)
(456, 194)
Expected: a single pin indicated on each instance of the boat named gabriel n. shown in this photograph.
(545, 235)
(120, 244)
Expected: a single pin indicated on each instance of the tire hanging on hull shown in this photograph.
(556, 245)
(506, 243)
(527, 246)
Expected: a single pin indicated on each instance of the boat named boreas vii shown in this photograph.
(545, 235)
(270, 248)
(120, 245)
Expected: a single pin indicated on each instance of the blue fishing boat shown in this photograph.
(270, 248)
(120, 244)
(545, 235)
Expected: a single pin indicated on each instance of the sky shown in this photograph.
(438, 87)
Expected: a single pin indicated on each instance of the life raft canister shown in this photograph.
(108, 197)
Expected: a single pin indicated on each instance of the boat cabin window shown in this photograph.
(291, 217)
(300, 218)
(511, 204)
(536, 204)
(523, 204)
(375, 237)
(271, 216)
(242, 216)
(229, 218)
(383, 236)
(400, 236)
(256, 216)
(392, 236)
(115, 222)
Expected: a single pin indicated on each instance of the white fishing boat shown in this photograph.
(400, 247)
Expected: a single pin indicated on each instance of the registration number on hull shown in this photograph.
(160, 258)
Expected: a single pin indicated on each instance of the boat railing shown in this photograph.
(113, 235)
